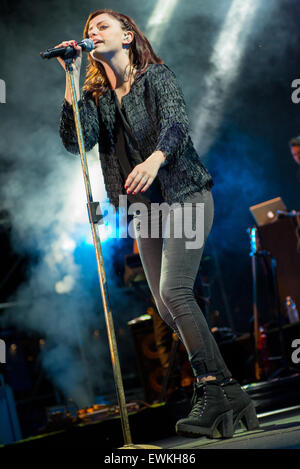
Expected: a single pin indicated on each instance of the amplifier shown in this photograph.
(280, 239)
(150, 371)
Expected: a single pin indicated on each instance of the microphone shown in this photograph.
(67, 52)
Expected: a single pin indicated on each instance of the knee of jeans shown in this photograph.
(167, 318)
(157, 299)
(174, 296)
(166, 292)
(161, 308)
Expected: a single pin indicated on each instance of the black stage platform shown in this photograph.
(277, 404)
(278, 430)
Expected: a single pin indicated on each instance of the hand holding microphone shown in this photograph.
(69, 49)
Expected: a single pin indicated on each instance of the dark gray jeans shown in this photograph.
(171, 266)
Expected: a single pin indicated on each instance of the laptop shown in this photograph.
(266, 212)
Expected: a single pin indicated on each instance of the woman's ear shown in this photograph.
(128, 37)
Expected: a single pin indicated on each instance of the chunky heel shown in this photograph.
(249, 417)
(226, 426)
(223, 427)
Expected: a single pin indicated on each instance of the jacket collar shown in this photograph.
(107, 106)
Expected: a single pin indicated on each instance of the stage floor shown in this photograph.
(278, 430)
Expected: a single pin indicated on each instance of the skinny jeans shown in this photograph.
(171, 260)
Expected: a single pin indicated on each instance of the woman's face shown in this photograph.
(107, 35)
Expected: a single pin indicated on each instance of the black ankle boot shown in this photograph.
(243, 407)
(211, 414)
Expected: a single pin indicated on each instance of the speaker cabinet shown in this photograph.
(149, 367)
(280, 239)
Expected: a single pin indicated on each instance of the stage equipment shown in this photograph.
(59, 417)
(281, 239)
(276, 243)
(260, 362)
(9, 423)
(134, 271)
(159, 383)
(169, 368)
(95, 217)
(267, 212)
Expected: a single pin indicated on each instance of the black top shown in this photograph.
(129, 157)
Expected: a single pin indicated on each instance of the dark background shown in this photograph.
(247, 154)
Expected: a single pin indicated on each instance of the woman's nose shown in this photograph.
(94, 31)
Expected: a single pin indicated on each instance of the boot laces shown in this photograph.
(197, 399)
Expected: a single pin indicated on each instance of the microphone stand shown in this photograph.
(94, 218)
(253, 253)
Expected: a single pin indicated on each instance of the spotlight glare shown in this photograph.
(68, 244)
(160, 15)
(226, 58)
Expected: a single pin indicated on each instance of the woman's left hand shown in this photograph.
(143, 174)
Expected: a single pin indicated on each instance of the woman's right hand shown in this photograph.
(76, 61)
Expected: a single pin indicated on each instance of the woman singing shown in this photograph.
(132, 107)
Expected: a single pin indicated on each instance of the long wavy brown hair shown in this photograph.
(140, 54)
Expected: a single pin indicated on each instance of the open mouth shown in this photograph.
(96, 43)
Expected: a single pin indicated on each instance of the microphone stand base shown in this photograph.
(133, 446)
